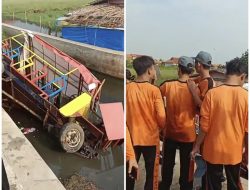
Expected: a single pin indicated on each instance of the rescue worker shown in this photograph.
(203, 62)
(145, 118)
(130, 157)
(224, 127)
(180, 129)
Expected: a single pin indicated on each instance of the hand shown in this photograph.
(196, 150)
(245, 158)
(132, 163)
(191, 85)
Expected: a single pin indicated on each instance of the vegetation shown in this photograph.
(48, 10)
(244, 57)
(166, 73)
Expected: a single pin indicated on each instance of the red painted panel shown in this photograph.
(113, 117)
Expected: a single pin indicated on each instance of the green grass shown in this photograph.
(4, 35)
(166, 73)
(49, 10)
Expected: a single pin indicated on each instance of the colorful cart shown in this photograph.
(61, 92)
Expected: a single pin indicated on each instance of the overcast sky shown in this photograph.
(166, 28)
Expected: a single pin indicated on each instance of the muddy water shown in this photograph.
(112, 90)
(31, 27)
(106, 171)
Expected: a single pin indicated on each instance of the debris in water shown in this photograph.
(78, 182)
(27, 130)
(88, 152)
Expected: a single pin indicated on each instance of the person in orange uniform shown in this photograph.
(224, 127)
(180, 128)
(130, 155)
(205, 82)
(145, 118)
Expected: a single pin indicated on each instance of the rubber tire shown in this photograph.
(64, 130)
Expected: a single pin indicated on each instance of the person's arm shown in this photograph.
(204, 124)
(163, 94)
(160, 110)
(193, 89)
(245, 154)
(130, 155)
(198, 142)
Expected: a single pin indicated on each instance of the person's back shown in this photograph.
(224, 128)
(180, 111)
(180, 128)
(144, 116)
(227, 124)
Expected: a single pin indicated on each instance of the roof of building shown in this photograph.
(101, 15)
(172, 60)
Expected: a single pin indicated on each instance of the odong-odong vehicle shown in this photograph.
(61, 92)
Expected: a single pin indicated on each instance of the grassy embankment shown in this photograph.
(49, 10)
(166, 73)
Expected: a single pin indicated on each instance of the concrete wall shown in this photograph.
(102, 60)
(25, 168)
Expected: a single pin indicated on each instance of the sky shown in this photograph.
(172, 28)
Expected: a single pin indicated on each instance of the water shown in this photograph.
(106, 171)
(31, 27)
(112, 90)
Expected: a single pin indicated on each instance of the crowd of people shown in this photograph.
(192, 115)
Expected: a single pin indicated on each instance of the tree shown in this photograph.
(244, 57)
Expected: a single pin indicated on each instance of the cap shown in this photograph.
(204, 58)
(186, 61)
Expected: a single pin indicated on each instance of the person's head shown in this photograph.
(185, 65)
(203, 62)
(144, 66)
(238, 69)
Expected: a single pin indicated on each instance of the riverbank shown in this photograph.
(34, 10)
(24, 166)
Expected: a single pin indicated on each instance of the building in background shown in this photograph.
(100, 24)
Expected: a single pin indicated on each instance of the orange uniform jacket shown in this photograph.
(224, 119)
(204, 85)
(145, 113)
(129, 147)
(180, 111)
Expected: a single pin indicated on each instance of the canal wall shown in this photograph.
(25, 169)
(102, 60)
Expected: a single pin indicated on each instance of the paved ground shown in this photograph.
(25, 169)
(175, 185)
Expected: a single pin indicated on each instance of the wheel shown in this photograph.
(71, 137)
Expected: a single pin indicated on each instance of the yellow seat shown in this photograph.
(76, 107)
